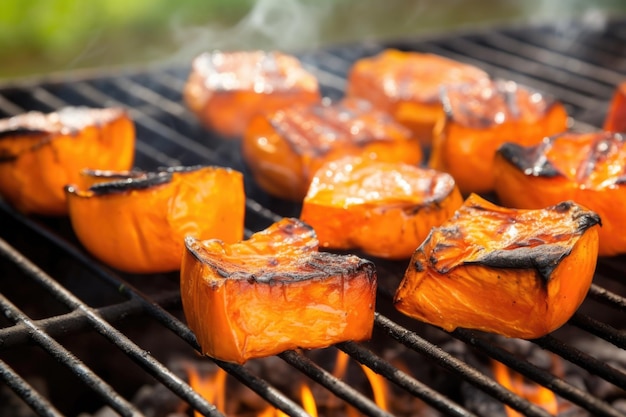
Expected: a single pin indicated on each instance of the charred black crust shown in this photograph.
(528, 160)
(190, 168)
(21, 132)
(544, 259)
(314, 265)
(129, 184)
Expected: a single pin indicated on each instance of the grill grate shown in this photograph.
(577, 62)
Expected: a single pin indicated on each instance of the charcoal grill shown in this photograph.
(54, 296)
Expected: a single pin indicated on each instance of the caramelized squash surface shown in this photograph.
(226, 89)
(406, 85)
(41, 153)
(588, 168)
(518, 273)
(284, 149)
(138, 224)
(385, 209)
(479, 118)
(274, 292)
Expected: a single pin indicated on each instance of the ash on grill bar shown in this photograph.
(77, 338)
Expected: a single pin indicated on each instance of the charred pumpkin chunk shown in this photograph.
(518, 273)
(588, 168)
(138, 224)
(42, 152)
(385, 209)
(284, 149)
(480, 117)
(615, 120)
(226, 89)
(406, 85)
(274, 292)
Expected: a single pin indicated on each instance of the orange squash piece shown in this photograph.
(284, 149)
(518, 273)
(479, 118)
(274, 292)
(407, 84)
(589, 168)
(41, 153)
(615, 120)
(226, 89)
(138, 224)
(385, 209)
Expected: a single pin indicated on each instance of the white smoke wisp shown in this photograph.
(270, 24)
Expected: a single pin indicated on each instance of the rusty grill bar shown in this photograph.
(579, 62)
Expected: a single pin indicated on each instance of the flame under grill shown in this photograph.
(69, 294)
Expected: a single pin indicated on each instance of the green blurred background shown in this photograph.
(43, 36)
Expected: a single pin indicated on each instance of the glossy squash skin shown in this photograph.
(518, 273)
(615, 120)
(41, 153)
(385, 209)
(588, 168)
(138, 225)
(406, 85)
(274, 292)
(284, 149)
(226, 89)
(480, 117)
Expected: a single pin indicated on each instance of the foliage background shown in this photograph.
(43, 36)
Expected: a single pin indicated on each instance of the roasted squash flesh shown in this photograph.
(615, 120)
(518, 273)
(385, 209)
(406, 85)
(480, 117)
(273, 293)
(284, 149)
(588, 168)
(226, 89)
(138, 225)
(41, 153)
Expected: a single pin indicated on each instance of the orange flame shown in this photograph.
(213, 388)
(535, 393)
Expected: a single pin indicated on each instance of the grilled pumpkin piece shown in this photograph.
(406, 85)
(274, 292)
(385, 209)
(226, 89)
(41, 153)
(588, 168)
(615, 120)
(518, 273)
(138, 224)
(480, 117)
(284, 149)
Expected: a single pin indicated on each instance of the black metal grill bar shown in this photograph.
(557, 385)
(600, 329)
(467, 372)
(583, 360)
(260, 386)
(592, 79)
(139, 355)
(607, 297)
(25, 391)
(75, 321)
(62, 355)
(411, 385)
(333, 384)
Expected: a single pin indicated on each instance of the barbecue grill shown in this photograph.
(66, 317)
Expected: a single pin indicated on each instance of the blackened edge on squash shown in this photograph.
(129, 184)
(528, 160)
